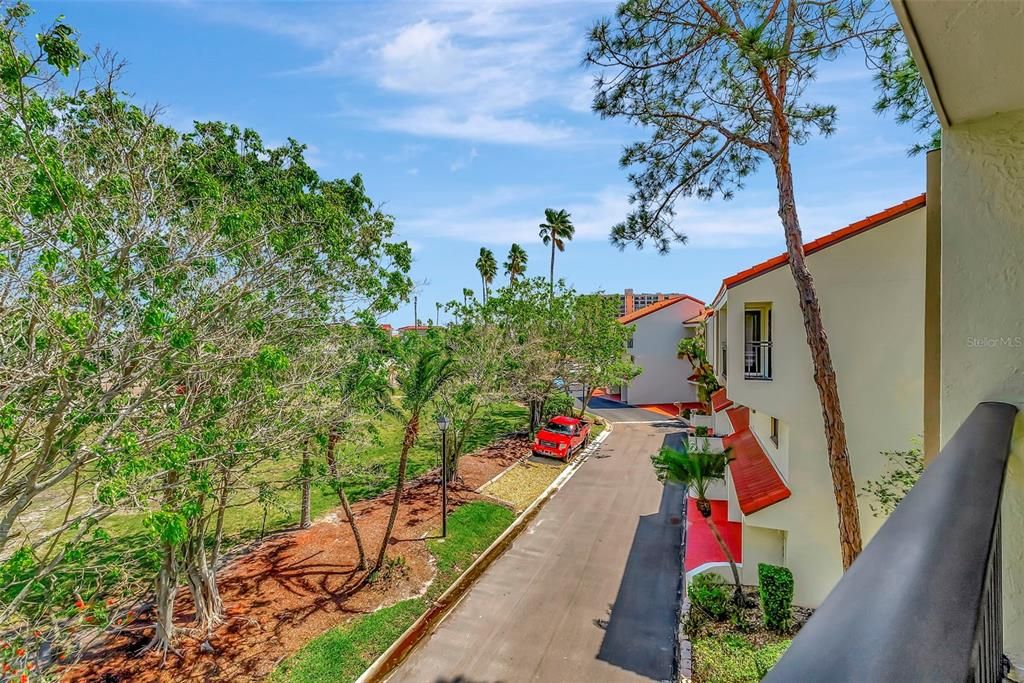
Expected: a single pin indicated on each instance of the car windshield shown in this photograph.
(559, 428)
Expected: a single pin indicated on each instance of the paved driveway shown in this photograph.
(588, 592)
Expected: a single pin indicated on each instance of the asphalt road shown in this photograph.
(588, 592)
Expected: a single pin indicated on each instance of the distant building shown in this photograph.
(653, 348)
(630, 301)
(417, 329)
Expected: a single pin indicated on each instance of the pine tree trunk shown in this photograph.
(305, 520)
(728, 554)
(824, 373)
(332, 467)
(411, 430)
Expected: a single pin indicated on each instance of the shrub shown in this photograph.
(702, 430)
(776, 591)
(558, 403)
(709, 593)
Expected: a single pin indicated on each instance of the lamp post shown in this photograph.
(443, 423)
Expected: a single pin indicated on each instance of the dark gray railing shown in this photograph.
(757, 360)
(923, 601)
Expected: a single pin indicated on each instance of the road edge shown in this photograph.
(392, 658)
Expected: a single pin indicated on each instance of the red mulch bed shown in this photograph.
(288, 589)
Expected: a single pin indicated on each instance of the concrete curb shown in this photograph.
(384, 665)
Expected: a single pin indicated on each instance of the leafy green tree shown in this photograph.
(721, 86)
(599, 357)
(515, 264)
(481, 350)
(698, 472)
(158, 294)
(556, 230)
(488, 269)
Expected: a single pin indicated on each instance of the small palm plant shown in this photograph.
(698, 471)
(418, 383)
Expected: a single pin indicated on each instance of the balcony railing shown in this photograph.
(757, 360)
(923, 602)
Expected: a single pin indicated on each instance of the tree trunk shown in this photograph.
(166, 592)
(332, 467)
(588, 393)
(536, 414)
(411, 430)
(824, 373)
(552, 267)
(305, 520)
(202, 581)
(218, 532)
(725, 549)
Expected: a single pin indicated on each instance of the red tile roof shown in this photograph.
(656, 306)
(719, 401)
(828, 240)
(700, 317)
(701, 546)
(754, 477)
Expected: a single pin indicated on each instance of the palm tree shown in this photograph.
(466, 294)
(487, 267)
(556, 231)
(697, 471)
(516, 263)
(420, 381)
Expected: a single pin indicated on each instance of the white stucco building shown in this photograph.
(870, 279)
(659, 327)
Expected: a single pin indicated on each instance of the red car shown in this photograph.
(561, 437)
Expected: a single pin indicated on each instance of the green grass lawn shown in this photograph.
(733, 658)
(344, 652)
(124, 558)
(376, 468)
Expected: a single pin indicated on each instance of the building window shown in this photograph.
(775, 431)
(629, 344)
(757, 341)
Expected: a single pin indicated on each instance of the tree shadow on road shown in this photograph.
(640, 633)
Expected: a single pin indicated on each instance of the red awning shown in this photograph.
(754, 477)
(719, 401)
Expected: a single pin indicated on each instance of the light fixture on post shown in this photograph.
(443, 423)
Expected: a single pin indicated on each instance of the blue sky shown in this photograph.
(467, 119)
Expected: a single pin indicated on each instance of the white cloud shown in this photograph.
(482, 126)
(502, 72)
(495, 217)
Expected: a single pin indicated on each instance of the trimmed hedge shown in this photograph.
(775, 586)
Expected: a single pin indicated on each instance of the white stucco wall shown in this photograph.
(760, 546)
(871, 288)
(983, 310)
(663, 376)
